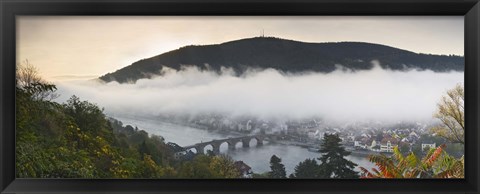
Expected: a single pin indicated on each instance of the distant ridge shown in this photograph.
(287, 56)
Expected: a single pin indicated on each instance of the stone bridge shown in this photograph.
(216, 143)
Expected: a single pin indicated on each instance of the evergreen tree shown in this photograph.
(277, 168)
(306, 169)
(334, 165)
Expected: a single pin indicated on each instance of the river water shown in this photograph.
(256, 157)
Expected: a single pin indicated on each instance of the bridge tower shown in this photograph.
(200, 149)
(231, 144)
(259, 141)
(216, 148)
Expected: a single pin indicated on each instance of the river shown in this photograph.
(256, 157)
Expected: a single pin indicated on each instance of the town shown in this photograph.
(359, 138)
(364, 136)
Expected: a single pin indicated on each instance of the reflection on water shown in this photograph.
(256, 157)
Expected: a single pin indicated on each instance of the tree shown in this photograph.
(451, 113)
(404, 148)
(224, 167)
(306, 169)
(334, 165)
(27, 77)
(76, 140)
(89, 117)
(277, 168)
(436, 164)
(199, 167)
(27, 74)
(143, 149)
(150, 168)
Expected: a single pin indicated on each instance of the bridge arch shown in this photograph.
(253, 142)
(232, 143)
(267, 140)
(259, 140)
(246, 141)
(200, 149)
(224, 146)
(238, 144)
(207, 148)
(194, 150)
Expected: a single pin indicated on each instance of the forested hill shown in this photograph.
(287, 56)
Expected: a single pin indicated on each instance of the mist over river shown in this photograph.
(256, 157)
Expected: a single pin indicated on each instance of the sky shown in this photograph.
(90, 46)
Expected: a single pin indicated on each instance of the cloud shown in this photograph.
(342, 95)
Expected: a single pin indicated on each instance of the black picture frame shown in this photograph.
(9, 9)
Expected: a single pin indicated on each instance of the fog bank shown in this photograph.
(378, 94)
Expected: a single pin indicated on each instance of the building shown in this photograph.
(386, 148)
(428, 145)
(359, 144)
(374, 146)
(178, 151)
(244, 169)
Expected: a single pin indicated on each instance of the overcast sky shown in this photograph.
(84, 46)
